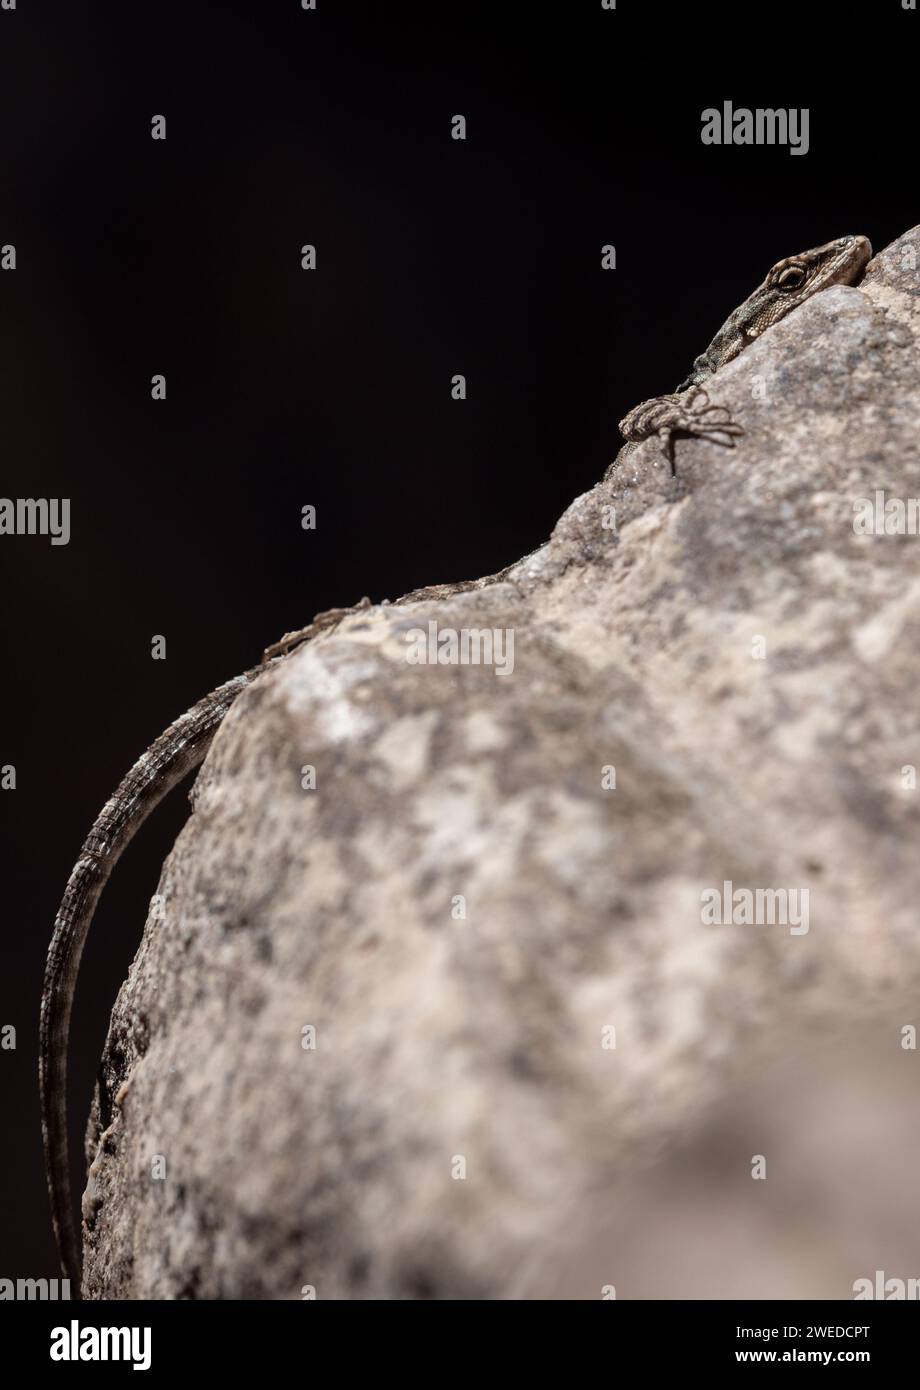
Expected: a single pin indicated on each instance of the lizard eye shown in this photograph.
(792, 278)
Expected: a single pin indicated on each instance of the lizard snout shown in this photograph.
(859, 245)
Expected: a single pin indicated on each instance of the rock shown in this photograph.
(464, 907)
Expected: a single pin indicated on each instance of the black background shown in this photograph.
(333, 387)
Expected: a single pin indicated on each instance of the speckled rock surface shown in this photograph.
(465, 906)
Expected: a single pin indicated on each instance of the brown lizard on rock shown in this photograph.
(687, 411)
(184, 744)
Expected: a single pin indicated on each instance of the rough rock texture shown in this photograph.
(441, 1037)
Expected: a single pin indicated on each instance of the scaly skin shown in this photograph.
(185, 743)
(687, 411)
(175, 753)
(167, 761)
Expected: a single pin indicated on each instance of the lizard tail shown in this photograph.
(174, 754)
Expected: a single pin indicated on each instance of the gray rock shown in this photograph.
(749, 665)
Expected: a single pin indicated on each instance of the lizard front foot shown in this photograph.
(681, 413)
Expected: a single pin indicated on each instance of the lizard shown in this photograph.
(183, 746)
(688, 410)
(180, 749)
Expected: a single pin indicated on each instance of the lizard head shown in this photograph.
(797, 278)
(787, 285)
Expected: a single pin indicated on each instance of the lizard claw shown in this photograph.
(712, 418)
(688, 414)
